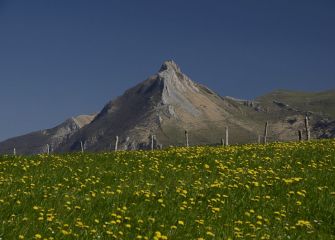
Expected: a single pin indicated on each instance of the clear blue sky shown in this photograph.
(61, 58)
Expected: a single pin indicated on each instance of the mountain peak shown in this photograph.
(175, 82)
(169, 65)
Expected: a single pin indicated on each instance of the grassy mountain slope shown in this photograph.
(321, 103)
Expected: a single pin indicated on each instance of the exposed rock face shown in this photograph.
(167, 104)
(164, 105)
(176, 88)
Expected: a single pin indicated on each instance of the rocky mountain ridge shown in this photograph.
(36, 142)
(168, 103)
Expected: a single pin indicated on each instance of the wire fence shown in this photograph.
(117, 144)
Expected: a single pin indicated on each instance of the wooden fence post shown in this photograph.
(48, 149)
(227, 137)
(266, 132)
(14, 151)
(259, 139)
(308, 133)
(116, 142)
(186, 138)
(222, 142)
(300, 135)
(152, 142)
(82, 146)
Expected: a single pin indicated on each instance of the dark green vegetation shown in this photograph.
(277, 191)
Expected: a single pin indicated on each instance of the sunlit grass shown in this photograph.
(277, 191)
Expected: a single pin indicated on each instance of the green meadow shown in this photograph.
(274, 191)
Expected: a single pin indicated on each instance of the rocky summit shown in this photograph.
(169, 103)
